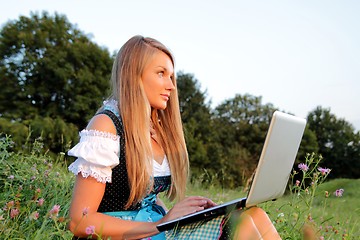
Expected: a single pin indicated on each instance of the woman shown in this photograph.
(134, 148)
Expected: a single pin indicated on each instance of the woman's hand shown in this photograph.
(187, 206)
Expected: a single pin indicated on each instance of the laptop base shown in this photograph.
(205, 214)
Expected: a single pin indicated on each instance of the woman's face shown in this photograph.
(157, 80)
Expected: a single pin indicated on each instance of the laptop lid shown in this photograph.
(277, 158)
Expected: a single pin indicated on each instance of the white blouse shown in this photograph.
(98, 153)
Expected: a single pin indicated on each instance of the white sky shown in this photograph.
(295, 54)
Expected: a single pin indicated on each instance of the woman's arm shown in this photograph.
(87, 196)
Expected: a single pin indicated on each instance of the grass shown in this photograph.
(35, 193)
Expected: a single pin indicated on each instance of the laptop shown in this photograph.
(272, 173)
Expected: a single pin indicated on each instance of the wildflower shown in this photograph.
(85, 211)
(326, 194)
(90, 230)
(38, 190)
(303, 167)
(55, 210)
(14, 212)
(41, 201)
(11, 177)
(324, 171)
(34, 215)
(339, 192)
(2, 217)
(10, 204)
(297, 183)
(33, 178)
(321, 238)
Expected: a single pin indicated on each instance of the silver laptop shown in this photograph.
(272, 173)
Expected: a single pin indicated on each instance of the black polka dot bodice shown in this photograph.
(117, 192)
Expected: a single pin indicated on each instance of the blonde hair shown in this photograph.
(136, 113)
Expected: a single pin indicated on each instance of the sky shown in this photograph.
(296, 55)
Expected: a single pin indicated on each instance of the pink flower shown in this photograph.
(303, 167)
(85, 211)
(324, 170)
(11, 177)
(41, 201)
(34, 215)
(10, 204)
(339, 192)
(297, 183)
(14, 212)
(90, 230)
(55, 210)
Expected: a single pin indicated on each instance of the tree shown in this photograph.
(242, 123)
(49, 68)
(53, 79)
(338, 143)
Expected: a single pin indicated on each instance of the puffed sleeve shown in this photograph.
(97, 153)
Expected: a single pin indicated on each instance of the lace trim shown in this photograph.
(96, 133)
(88, 172)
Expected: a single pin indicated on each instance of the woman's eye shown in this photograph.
(161, 74)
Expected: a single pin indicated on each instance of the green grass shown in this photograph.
(25, 178)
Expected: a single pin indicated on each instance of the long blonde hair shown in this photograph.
(136, 113)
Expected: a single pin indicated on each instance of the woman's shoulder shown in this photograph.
(102, 123)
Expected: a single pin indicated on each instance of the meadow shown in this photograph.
(35, 192)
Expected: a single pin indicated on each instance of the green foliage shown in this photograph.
(34, 194)
(49, 68)
(57, 135)
(53, 79)
(241, 123)
(338, 143)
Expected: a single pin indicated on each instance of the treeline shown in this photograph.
(54, 78)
